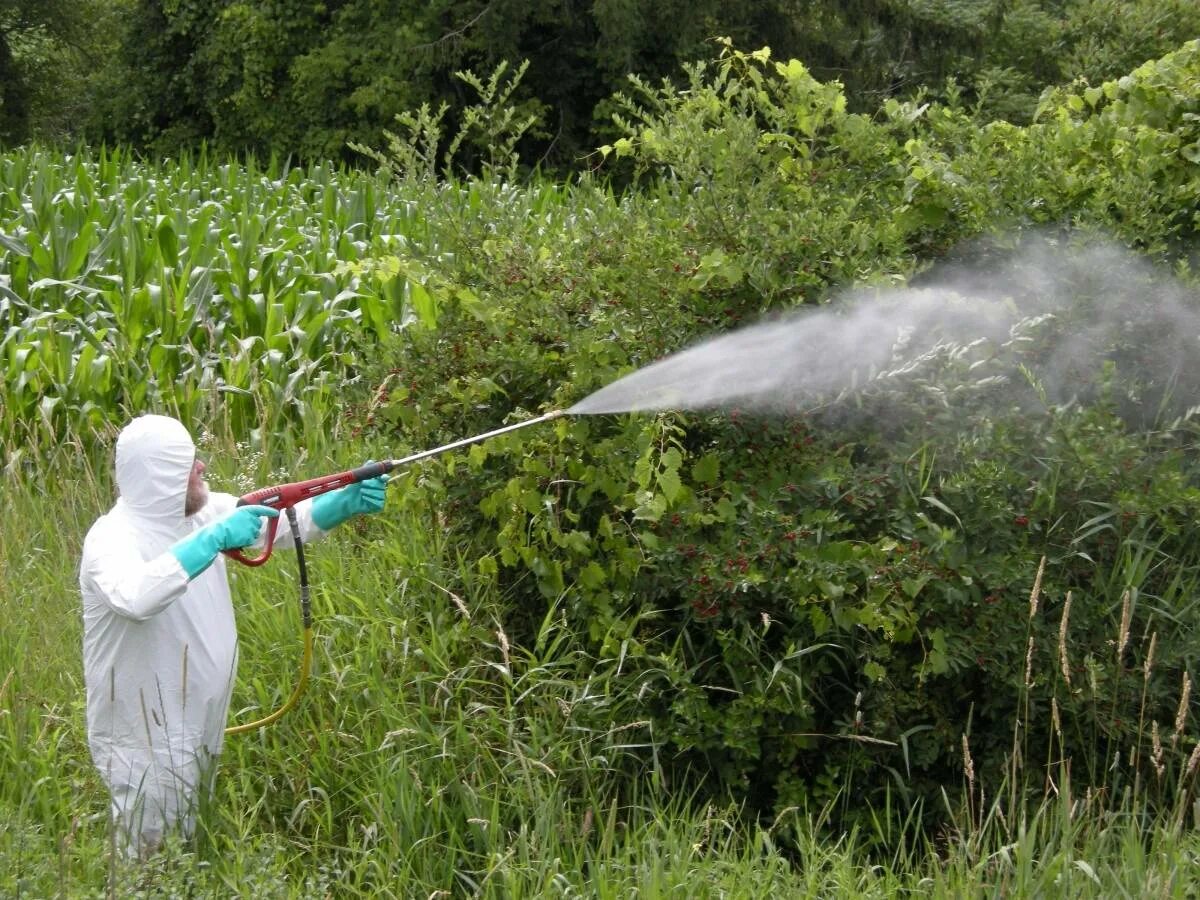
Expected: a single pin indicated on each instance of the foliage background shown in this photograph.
(774, 590)
(823, 620)
(303, 80)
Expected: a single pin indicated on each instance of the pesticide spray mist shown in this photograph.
(1056, 310)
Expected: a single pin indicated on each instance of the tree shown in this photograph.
(49, 51)
(308, 77)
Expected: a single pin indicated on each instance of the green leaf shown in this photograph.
(1087, 870)
(938, 504)
(670, 483)
(937, 659)
(592, 576)
(476, 456)
(14, 245)
(726, 510)
(874, 671)
(423, 304)
(650, 506)
(168, 241)
(830, 590)
(707, 469)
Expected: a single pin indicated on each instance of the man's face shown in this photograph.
(197, 489)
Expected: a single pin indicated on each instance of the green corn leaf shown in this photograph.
(14, 244)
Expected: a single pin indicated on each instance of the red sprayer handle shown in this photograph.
(281, 496)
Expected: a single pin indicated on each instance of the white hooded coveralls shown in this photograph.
(159, 652)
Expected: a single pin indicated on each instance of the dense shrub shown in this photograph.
(790, 609)
(819, 608)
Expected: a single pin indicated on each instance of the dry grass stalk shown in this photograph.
(1036, 593)
(503, 638)
(1126, 620)
(1182, 713)
(1156, 755)
(1063, 625)
(968, 764)
(462, 607)
(1029, 664)
(1193, 760)
(454, 598)
(1149, 664)
(586, 828)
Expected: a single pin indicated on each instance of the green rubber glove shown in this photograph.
(332, 509)
(238, 529)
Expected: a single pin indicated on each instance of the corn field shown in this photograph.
(198, 288)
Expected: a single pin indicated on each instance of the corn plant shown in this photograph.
(212, 290)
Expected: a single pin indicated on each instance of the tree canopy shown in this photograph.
(49, 50)
(307, 79)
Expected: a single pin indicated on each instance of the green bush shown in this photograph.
(817, 610)
(807, 610)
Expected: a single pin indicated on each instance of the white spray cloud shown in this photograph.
(1062, 306)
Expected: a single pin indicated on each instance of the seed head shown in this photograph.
(1036, 593)
(1029, 664)
(503, 645)
(968, 762)
(1063, 626)
(1181, 714)
(1126, 617)
(1193, 760)
(1156, 756)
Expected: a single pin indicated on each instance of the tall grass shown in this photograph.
(431, 757)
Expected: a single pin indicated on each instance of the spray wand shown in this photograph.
(284, 497)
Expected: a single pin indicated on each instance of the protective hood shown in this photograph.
(154, 461)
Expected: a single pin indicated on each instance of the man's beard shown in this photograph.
(197, 496)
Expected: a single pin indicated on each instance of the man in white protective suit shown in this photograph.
(159, 639)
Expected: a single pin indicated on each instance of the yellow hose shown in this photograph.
(305, 666)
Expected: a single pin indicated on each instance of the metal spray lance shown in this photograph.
(284, 496)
